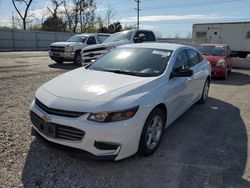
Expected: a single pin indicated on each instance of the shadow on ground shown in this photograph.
(234, 78)
(205, 147)
(64, 66)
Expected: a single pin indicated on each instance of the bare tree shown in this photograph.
(110, 13)
(79, 11)
(24, 16)
(56, 5)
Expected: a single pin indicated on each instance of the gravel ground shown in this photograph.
(208, 146)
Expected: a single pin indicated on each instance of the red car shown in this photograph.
(219, 56)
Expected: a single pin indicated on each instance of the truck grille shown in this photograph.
(93, 54)
(57, 112)
(57, 48)
(55, 130)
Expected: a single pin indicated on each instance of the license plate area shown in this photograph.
(48, 129)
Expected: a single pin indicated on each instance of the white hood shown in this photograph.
(62, 43)
(91, 85)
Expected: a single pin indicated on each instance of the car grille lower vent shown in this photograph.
(55, 130)
(52, 111)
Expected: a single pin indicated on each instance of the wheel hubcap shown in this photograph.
(154, 132)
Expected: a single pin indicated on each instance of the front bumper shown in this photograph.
(218, 71)
(124, 134)
(62, 55)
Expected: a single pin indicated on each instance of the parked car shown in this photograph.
(219, 55)
(122, 102)
(70, 50)
(234, 34)
(91, 53)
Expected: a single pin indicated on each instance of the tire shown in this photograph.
(224, 77)
(59, 61)
(242, 55)
(205, 91)
(77, 58)
(152, 132)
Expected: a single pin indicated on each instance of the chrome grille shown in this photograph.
(57, 48)
(93, 54)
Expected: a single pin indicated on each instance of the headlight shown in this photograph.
(70, 49)
(113, 116)
(220, 63)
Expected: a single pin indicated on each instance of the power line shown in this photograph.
(138, 13)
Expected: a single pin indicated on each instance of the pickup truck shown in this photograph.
(91, 53)
(70, 50)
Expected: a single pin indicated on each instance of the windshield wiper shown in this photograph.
(119, 71)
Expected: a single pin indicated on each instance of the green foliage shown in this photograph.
(90, 29)
(53, 23)
(113, 28)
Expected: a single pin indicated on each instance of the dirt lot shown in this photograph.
(208, 146)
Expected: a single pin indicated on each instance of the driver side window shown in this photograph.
(181, 62)
(91, 40)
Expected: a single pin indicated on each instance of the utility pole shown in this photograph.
(13, 22)
(138, 11)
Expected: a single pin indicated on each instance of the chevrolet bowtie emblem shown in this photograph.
(46, 118)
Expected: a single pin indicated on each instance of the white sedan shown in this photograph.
(122, 102)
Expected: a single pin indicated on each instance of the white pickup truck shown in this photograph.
(70, 50)
(91, 53)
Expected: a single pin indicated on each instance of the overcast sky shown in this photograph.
(166, 17)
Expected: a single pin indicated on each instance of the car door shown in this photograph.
(180, 87)
(198, 78)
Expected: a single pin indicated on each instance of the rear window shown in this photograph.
(212, 50)
(77, 38)
(102, 38)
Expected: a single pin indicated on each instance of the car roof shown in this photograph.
(155, 45)
(224, 45)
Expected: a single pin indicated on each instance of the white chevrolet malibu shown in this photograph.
(122, 102)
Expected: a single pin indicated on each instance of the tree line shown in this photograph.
(70, 16)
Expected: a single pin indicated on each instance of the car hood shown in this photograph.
(90, 85)
(63, 43)
(106, 45)
(213, 59)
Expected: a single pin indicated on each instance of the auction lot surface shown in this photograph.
(208, 146)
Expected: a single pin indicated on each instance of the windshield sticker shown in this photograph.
(162, 53)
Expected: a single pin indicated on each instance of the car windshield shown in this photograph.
(77, 38)
(212, 50)
(134, 61)
(122, 36)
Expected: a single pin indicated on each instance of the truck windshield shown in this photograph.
(141, 62)
(122, 36)
(212, 50)
(76, 38)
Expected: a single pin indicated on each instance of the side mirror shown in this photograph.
(182, 73)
